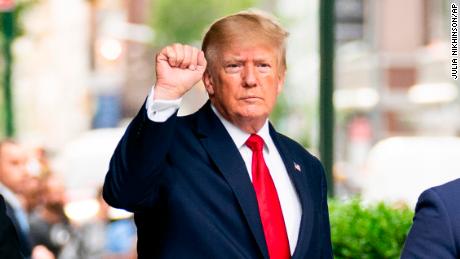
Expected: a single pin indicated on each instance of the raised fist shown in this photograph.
(178, 68)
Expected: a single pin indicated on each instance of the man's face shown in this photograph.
(13, 159)
(245, 81)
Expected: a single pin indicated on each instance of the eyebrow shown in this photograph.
(240, 59)
(233, 59)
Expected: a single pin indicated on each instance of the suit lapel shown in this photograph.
(296, 172)
(226, 156)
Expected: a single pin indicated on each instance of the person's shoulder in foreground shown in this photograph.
(9, 243)
(435, 232)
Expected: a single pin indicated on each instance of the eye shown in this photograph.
(232, 67)
(264, 67)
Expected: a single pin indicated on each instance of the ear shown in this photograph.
(208, 82)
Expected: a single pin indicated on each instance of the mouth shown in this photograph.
(250, 98)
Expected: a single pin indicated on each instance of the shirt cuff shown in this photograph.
(160, 110)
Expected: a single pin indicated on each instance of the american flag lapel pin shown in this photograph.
(297, 167)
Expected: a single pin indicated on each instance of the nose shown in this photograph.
(249, 77)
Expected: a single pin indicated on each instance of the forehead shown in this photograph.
(258, 51)
(11, 149)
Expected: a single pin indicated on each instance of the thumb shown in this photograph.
(202, 63)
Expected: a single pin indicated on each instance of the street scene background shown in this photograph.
(81, 69)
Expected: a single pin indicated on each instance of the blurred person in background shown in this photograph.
(32, 193)
(435, 232)
(220, 183)
(49, 225)
(102, 238)
(38, 170)
(13, 175)
(9, 242)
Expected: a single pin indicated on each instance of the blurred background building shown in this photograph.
(393, 80)
(83, 68)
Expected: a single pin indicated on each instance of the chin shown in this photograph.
(253, 114)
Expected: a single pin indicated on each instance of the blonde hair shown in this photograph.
(245, 26)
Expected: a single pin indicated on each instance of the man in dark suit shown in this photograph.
(220, 183)
(436, 229)
(9, 242)
(13, 174)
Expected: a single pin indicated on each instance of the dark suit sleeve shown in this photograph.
(326, 235)
(431, 233)
(9, 242)
(136, 166)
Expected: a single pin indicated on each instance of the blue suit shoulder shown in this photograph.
(435, 232)
(449, 192)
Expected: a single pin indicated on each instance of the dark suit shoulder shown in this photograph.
(449, 190)
(2, 205)
(446, 195)
(9, 243)
(191, 119)
(449, 195)
(292, 144)
(435, 232)
(297, 149)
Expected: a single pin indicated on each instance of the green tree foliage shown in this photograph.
(20, 7)
(185, 20)
(281, 109)
(10, 28)
(368, 232)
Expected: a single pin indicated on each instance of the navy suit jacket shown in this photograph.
(436, 229)
(192, 196)
(9, 242)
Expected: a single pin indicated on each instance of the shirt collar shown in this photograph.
(239, 136)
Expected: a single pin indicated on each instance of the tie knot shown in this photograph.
(255, 142)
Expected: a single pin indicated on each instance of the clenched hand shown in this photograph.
(178, 68)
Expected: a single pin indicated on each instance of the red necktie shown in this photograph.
(269, 204)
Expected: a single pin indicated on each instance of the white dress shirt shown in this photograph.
(161, 110)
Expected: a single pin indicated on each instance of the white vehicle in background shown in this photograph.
(400, 168)
(83, 164)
